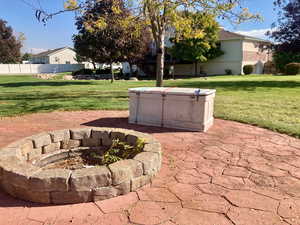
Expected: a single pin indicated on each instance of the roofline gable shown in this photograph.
(53, 53)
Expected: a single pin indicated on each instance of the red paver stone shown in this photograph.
(261, 180)
(13, 214)
(168, 223)
(210, 167)
(249, 199)
(293, 221)
(157, 195)
(199, 171)
(84, 213)
(289, 185)
(45, 214)
(186, 192)
(267, 170)
(235, 171)
(118, 204)
(113, 219)
(289, 208)
(192, 217)
(146, 212)
(270, 192)
(213, 189)
(208, 203)
(229, 182)
(192, 177)
(244, 216)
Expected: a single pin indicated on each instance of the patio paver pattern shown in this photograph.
(233, 174)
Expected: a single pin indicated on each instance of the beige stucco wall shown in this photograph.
(63, 56)
(232, 51)
(218, 68)
(232, 59)
(254, 55)
(237, 53)
(40, 60)
(184, 69)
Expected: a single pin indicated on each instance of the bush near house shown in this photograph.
(270, 68)
(228, 72)
(248, 69)
(103, 71)
(292, 69)
(83, 72)
(281, 59)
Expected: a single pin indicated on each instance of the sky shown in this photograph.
(58, 32)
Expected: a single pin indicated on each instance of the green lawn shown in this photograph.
(264, 100)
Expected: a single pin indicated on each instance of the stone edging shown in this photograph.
(22, 176)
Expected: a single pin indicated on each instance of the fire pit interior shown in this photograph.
(78, 165)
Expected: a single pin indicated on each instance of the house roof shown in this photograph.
(50, 52)
(228, 35)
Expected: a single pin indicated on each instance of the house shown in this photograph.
(239, 50)
(63, 55)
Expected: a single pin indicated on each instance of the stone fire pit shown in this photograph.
(25, 171)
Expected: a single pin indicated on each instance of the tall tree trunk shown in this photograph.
(196, 69)
(160, 60)
(130, 70)
(112, 72)
(94, 65)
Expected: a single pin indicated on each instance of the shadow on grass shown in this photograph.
(63, 96)
(45, 83)
(239, 85)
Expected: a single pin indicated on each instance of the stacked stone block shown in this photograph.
(22, 174)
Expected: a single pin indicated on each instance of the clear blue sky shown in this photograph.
(58, 31)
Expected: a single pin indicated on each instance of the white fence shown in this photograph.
(38, 68)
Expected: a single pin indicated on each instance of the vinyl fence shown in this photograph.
(38, 68)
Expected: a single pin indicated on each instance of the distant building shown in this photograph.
(63, 55)
(239, 50)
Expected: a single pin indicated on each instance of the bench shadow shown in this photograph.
(122, 122)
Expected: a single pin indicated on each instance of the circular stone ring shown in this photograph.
(24, 175)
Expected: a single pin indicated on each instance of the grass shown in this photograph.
(268, 101)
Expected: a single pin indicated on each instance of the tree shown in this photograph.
(108, 33)
(163, 14)
(199, 49)
(10, 46)
(287, 33)
(26, 56)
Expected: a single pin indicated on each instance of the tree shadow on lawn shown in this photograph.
(239, 85)
(62, 96)
(122, 122)
(45, 83)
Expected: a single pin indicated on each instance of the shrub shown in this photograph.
(120, 150)
(248, 69)
(281, 59)
(228, 72)
(103, 71)
(83, 72)
(270, 68)
(292, 68)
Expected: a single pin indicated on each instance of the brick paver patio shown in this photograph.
(234, 174)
